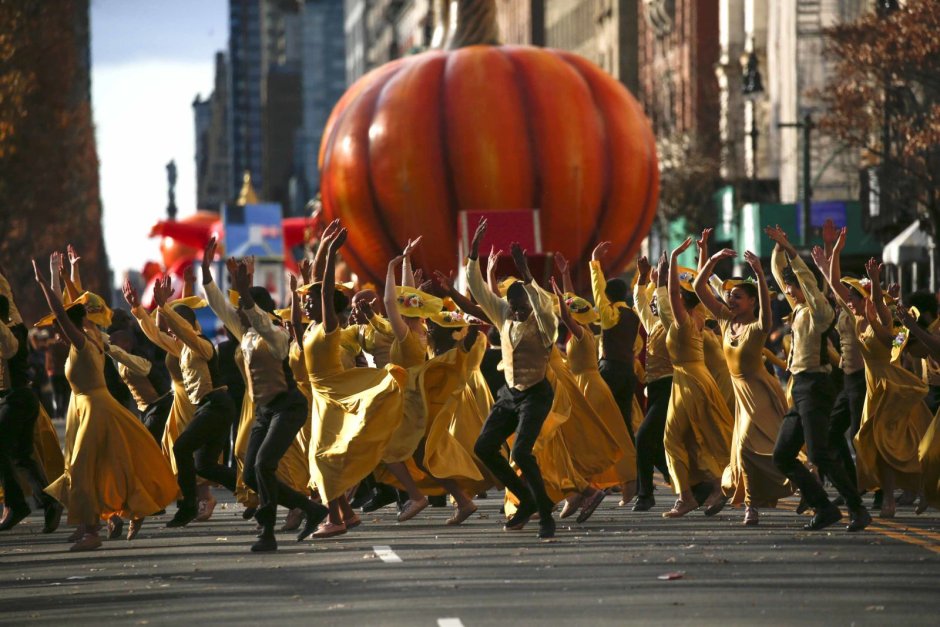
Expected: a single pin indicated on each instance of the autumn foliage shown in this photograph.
(884, 99)
(49, 192)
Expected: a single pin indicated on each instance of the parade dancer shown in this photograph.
(807, 422)
(527, 328)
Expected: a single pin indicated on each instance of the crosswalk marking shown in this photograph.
(386, 554)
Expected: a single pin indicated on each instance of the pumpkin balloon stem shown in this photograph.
(468, 23)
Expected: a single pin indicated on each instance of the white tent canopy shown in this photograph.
(911, 244)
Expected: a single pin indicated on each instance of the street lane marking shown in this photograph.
(386, 554)
(449, 622)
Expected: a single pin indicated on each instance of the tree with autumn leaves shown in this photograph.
(49, 194)
(883, 98)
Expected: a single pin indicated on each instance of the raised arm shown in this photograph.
(319, 258)
(701, 284)
(73, 334)
(679, 314)
(136, 364)
(330, 317)
(147, 325)
(778, 258)
(873, 268)
(663, 306)
(76, 277)
(576, 329)
(189, 282)
(277, 338)
(181, 328)
(763, 292)
(496, 309)
(399, 327)
(830, 264)
(407, 274)
(702, 244)
(885, 334)
(565, 269)
(296, 314)
(218, 303)
(925, 337)
(55, 271)
(465, 304)
(491, 278)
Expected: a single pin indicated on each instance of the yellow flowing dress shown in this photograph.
(760, 404)
(115, 467)
(181, 412)
(46, 450)
(699, 425)
(582, 359)
(895, 418)
(354, 412)
(717, 365)
(410, 354)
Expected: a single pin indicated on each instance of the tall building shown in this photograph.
(354, 28)
(245, 117)
(323, 80)
(213, 162)
(521, 21)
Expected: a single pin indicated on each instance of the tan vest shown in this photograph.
(525, 356)
(266, 377)
(140, 386)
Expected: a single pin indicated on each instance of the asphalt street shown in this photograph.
(619, 567)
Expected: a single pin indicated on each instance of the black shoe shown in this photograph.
(52, 517)
(803, 506)
(879, 497)
(825, 516)
(860, 518)
(15, 517)
(383, 496)
(249, 513)
(546, 527)
(644, 503)
(162, 512)
(481, 495)
(518, 520)
(266, 542)
(313, 516)
(701, 491)
(363, 494)
(438, 501)
(183, 517)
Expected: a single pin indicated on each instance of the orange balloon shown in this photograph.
(487, 128)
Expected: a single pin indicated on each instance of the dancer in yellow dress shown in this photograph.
(927, 345)
(578, 315)
(355, 412)
(407, 308)
(115, 467)
(746, 320)
(698, 425)
(714, 353)
(895, 418)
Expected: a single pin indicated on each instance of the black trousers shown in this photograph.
(621, 379)
(156, 414)
(523, 413)
(276, 426)
(650, 451)
(933, 398)
(197, 449)
(846, 416)
(61, 391)
(19, 408)
(808, 421)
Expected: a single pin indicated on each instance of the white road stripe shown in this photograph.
(386, 554)
(449, 622)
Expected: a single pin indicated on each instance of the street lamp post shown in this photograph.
(752, 88)
(807, 126)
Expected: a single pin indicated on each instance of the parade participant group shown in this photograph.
(416, 391)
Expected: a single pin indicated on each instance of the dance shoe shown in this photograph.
(115, 527)
(313, 515)
(751, 517)
(572, 503)
(88, 542)
(384, 495)
(524, 512)
(293, 520)
(329, 530)
(183, 516)
(13, 517)
(546, 527)
(825, 516)
(52, 517)
(590, 505)
(134, 528)
(412, 509)
(681, 508)
(644, 504)
(462, 514)
(860, 518)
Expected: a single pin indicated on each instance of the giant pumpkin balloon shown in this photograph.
(487, 127)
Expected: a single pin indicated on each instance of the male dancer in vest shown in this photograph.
(813, 393)
(198, 448)
(19, 409)
(527, 328)
(280, 408)
(619, 325)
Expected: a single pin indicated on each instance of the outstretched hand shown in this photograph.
(724, 253)
(561, 263)
(37, 274)
(702, 242)
(643, 268)
(208, 255)
(74, 257)
(411, 245)
(905, 316)
(130, 294)
(557, 289)
(477, 238)
(600, 251)
(162, 291)
(820, 259)
(753, 261)
(681, 248)
(829, 233)
(522, 264)
(874, 268)
(446, 282)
